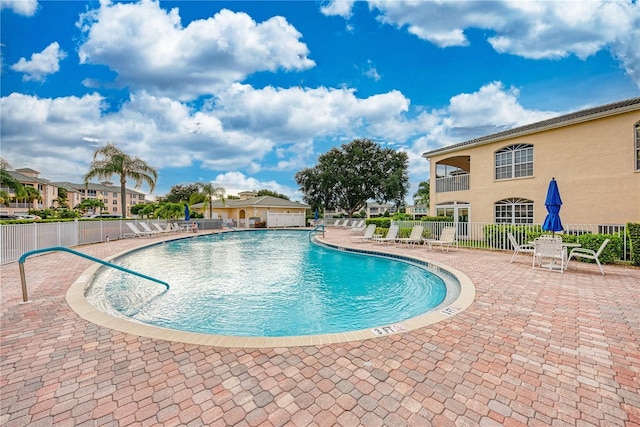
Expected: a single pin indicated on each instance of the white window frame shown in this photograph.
(513, 211)
(637, 142)
(514, 161)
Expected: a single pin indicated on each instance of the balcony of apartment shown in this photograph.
(453, 174)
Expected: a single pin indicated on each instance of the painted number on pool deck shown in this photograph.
(385, 330)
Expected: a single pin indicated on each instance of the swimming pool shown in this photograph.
(220, 284)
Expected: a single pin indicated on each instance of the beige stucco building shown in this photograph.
(251, 210)
(593, 154)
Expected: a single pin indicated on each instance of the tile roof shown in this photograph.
(630, 104)
(260, 201)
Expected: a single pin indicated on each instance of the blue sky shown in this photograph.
(245, 94)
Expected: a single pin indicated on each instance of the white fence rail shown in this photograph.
(492, 236)
(16, 239)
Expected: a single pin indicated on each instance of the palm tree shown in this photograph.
(110, 160)
(6, 180)
(422, 197)
(210, 191)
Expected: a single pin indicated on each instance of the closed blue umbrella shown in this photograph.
(316, 215)
(553, 203)
(186, 212)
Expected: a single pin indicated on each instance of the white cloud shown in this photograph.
(20, 7)
(337, 8)
(236, 182)
(245, 130)
(150, 50)
(41, 64)
(531, 29)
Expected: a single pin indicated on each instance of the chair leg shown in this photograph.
(513, 257)
(600, 266)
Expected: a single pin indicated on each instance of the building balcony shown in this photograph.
(452, 183)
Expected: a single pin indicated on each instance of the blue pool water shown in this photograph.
(265, 283)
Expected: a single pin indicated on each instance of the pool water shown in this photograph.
(264, 283)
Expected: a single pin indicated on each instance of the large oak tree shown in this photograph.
(349, 176)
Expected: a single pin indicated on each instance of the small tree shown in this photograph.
(210, 192)
(349, 176)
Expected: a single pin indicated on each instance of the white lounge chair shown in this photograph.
(163, 230)
(446, 240)
(392, 235)
(146, 228)
(367, 236)
(589, 254)
(337, 223)
(135, 232)
(548, 251)
(359, 227)
(518, 248)
(414, 238)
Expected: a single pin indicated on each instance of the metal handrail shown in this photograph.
(316, 228)
(24, 256)
(230, 226)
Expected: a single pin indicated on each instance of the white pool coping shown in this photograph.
(76, 299)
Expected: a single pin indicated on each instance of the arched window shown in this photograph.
(514, 211)
(637, 146)
(514, 161)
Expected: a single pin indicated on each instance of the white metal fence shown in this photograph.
(16, 239)
(494, 236)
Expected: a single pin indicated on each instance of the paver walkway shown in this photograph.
(535, 348)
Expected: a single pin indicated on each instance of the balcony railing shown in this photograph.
(452, 183)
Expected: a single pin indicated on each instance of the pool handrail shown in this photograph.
(23, 278)
(229, 225)
(315, 230)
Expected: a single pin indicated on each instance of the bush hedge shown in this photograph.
(633, 231)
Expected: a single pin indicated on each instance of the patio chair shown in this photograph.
(135, 232)
(549, 250)
(446, 240)
(367, 236)
(519, 248)
(589, 254)
(392, 235)
(358, 227)
(164, 230)
(336, 223)
(414, 238)
(146, 228)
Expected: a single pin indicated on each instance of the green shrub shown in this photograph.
(566, 238)
(495, 235)
(437, 218)
(380, 222)
(610, 254)
(633, 231)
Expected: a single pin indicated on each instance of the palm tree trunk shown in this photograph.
(123, 195)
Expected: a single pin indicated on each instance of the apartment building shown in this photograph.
(76, 193)
(593, 154)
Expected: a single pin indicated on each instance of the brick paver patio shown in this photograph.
(535, 348)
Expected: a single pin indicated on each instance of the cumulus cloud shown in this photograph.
(150, 49)
(236, 182)
(41, 64)
(337, 8)
(20, 7)
(244, 129)
(530, 29)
